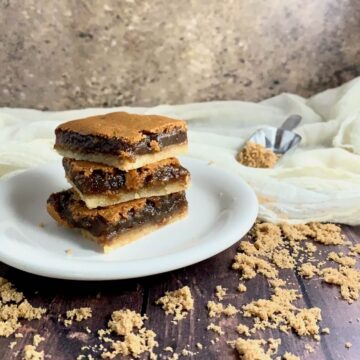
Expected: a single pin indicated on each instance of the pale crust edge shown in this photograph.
(124, 164)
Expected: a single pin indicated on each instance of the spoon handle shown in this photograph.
(291, 122)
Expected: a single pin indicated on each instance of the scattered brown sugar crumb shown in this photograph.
(290, 356)
(308, 270)
(327, 234)
(341, 259)
(268, 236)
(136, 338)
(348, 345)
(169, 349)
(277, 282)
(310, 248)
(241, 288)
(199, 346)
(186, 352)
(12, 344)
(217, 309)
(347, 278)
(13, 308)
(220, 292)
(257, 156)
(280, 312)
(309, 348)
(297, 232)
(283, 259)
(215, 328)
(250, 265)
(325, 331)
(123, 322)
(41, 225)
(178, 302)
(243, 329)
(255, 349)
(69, 252)
(355, 249)
(37, 340)
(78, 314)
(30, 353)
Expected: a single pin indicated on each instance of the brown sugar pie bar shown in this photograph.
(125, 141)
(101, 185)
(119, 224)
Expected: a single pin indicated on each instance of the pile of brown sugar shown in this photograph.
(271, 248)
(14, 308)
(257, 156)
(137, 339)
(177, 303)
(78, 314)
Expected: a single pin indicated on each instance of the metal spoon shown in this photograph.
(279, 140)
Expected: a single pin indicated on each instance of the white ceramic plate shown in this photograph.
(222, 208)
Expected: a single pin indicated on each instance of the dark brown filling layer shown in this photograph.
(99, 181)
(96, 144)
(156, 209)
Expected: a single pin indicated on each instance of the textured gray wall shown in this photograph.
(76, 53)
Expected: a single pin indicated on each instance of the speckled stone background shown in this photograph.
(76, 53)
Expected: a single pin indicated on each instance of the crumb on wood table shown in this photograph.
(177, 303)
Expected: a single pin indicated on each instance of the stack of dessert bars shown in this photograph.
(126, 181)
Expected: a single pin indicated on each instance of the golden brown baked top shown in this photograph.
(130, 127)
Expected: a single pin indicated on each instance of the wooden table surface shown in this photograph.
(140, 294)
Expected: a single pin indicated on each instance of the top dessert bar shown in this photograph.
(126, 141)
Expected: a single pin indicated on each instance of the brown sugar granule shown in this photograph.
(325, 331)
(30, 353)
(78, 315)
(297, 232)
(255, 349)
(13, 308)
(220, 292)
(277, 282)
(347, 278)
(280, 312)
(243, 329)
(355, 249)
(199, 346)
(283, 260)
(348, 345)
(290, 356)
(327, 234)
(123, 322)
(241, 288)
(12, 344)
(309, 348)
(215, 328)
(177, 303)
(136, 338)
(250, 265)
(251, 349)
(257, 156)
(341, 259)
(217, 309)
(310, 248)
(307, 270)
(268, 236)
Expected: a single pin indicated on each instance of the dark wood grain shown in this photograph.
(140, 294)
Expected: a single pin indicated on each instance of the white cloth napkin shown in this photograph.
(320, 181)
